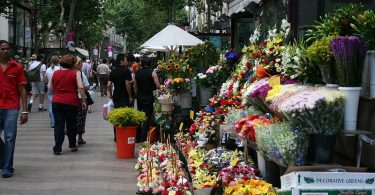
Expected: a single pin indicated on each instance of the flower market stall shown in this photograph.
(278, 101)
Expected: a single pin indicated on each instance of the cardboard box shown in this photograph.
(301, 191)
(309, 179)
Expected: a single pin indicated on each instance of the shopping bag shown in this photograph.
(107, 108)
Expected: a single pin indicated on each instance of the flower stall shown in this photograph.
(285, 100)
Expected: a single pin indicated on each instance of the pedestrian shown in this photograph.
(82, 113)
(146, 81)
(32, 60)
(12, 84)
(103, 72)
(49, 73)
(120, 78)
(65, 84)
(36, 73)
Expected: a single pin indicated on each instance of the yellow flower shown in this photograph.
(169, 67)
(170, 62)
(278, 40)
(177, 66)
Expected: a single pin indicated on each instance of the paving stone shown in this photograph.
(93, 170)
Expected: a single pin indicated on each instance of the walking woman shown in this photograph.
(47, 77)
(81, 116)
(65, 84)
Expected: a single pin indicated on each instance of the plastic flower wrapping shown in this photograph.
(250, 187)
(245, 126)
(279, 142)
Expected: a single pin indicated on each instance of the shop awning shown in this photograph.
(238, 6)
(82, 51)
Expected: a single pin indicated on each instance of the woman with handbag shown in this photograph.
(65, 85)
(81, 116)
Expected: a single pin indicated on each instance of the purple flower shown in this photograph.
(231, 55)
(349, 53)
(262, 91)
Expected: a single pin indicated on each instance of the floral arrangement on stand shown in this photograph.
(163, 95)
(178, 73)
(213, 77)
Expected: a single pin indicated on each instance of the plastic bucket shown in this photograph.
(186, 100)
(166, 107)
(125, 138)
(205, 95)
(351, 107)
(371, 64)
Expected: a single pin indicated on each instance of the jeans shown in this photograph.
(8, 124)
(103, 79)
(51, 118)
(64, 114)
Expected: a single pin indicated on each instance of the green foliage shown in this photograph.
(365, 26)
(203, 56)
(321, 54)
(125, 117)
(336, 23)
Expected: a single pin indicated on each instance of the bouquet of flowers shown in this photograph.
(163, 95)
(349, 53)
(178, 73)
(218, 158)
(280, 142)
(250, 187)
(239, 172)
(213, 77)
(202, 176)
(205, 129)
(317, 111)
(245, 127)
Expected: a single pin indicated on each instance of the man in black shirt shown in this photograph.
(120, 77)
(146, 81)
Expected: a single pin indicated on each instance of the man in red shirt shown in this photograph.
(12, 85)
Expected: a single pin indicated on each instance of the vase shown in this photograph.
(261, 164)
(205, 95)
(125, 139)
(186, 100)
(321, 148)
(371, 64)
(351, 107)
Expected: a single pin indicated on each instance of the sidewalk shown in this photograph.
(93, 170)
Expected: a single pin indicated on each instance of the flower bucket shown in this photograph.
(166, 107)
(203, 191)
(351, 107)
(205, 95)
(177, 99)
(125, 139)
(186, 100)
(371, 64)
(332, 86)
(321, 148)
(261, 164)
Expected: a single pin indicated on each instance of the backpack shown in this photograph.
(33, 75)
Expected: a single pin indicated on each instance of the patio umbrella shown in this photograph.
(171, 37)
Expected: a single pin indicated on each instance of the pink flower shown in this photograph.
(187, 80)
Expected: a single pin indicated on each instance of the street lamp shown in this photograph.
(60, 34)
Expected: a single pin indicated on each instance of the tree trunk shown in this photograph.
(69, 26)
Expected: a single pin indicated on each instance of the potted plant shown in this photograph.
(125, 120)
(349, 53)
(165, 99)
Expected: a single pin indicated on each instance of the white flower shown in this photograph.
(255, 36)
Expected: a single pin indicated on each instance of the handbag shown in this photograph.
(89, 100)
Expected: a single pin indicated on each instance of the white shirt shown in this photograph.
(50, 71)
(86, 68)
(42, 68)
(85, 82)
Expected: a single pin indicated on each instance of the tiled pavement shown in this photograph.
(93, 170)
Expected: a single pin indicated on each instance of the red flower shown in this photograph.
(242, 74)
(179, 192)
(248, 65)
(264, 43)
(167, 185)
(256, 55)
